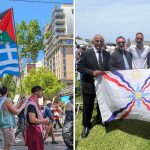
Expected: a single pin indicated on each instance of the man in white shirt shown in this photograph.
(139, 52)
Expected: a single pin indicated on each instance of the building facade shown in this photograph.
(59, 43)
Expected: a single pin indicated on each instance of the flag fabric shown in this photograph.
(9, 59)
(7, 29)
(9, 62)
(124, 95)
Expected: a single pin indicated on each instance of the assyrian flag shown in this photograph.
(124, 95)
(8, 49)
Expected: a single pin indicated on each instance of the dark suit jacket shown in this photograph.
(116, 61)
(86, 65)
(148, 60)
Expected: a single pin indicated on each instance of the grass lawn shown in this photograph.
(119, 135)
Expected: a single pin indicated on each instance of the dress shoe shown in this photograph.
(85, 132)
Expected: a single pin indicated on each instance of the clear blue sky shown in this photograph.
(112, 18)
(28, 11)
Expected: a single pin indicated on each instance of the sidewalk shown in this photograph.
(20, 143)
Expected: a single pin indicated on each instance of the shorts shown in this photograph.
(8, 135)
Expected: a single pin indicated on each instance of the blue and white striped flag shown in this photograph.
(9, 63)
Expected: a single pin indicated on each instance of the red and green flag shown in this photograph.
(7, 29)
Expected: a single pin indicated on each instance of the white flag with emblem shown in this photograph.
(124, 94)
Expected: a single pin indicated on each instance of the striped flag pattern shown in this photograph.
(9, 59)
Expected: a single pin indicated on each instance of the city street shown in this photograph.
(19, 145)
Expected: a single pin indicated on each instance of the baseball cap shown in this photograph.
(36, 88)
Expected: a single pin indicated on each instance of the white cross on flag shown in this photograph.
(9, 59)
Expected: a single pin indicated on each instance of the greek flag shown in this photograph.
(9, 59)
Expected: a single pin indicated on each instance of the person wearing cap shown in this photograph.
(7, 118)
(35, 124)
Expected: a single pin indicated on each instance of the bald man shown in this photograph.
(92, 62)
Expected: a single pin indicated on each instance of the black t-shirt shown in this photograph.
(21, 114)
(32, 109)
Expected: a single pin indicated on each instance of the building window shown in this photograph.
(65, 75)
(64, 68)
(69, 41)
(64, 61)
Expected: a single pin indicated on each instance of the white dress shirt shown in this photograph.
(139, 57)
(97, 54)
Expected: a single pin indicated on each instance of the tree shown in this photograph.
(10, 82)
(44, 78)
(78, 37)
(47, 34)
(29, 39)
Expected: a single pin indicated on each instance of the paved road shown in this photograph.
(48, 146)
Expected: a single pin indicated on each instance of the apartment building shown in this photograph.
(59, 43)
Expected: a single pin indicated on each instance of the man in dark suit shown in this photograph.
(92, 62)
(120, 59)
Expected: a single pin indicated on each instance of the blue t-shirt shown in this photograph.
(48, 113)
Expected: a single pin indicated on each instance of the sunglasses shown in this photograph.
(139, 38)
(120, 42)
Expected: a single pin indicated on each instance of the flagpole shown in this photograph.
(17, 52)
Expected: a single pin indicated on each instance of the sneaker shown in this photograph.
(54, 142)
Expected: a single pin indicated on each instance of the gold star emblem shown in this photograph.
(136, 74)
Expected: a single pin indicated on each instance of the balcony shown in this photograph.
(58, 15)
(58, 22)
(57, 10)
(59, 28)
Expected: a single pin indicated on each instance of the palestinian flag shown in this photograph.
(7, 29)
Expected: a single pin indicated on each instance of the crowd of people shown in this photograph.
(34, 123)
(93, 61)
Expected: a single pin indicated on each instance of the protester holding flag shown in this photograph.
(120, 59)
(92, 62)
(35, 124)
(7, 119)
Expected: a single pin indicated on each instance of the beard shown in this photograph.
(139, 43)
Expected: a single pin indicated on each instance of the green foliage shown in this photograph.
(10, 82)
(44, 78)
(119, 135)
(29, 39)
(47, 34)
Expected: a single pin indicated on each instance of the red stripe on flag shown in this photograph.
(127, 112)
(115, 81)
(146, 87)
(148, 107)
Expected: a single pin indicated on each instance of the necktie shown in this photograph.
(101, 65)
(126, 62)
